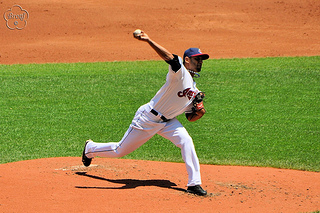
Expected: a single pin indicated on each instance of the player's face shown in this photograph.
(195, 63)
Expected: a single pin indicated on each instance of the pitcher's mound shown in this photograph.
(118, 185)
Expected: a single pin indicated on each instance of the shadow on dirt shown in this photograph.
(130, 183)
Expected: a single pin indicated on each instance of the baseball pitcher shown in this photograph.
(178, 95)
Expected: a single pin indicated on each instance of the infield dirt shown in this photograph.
(90, 31)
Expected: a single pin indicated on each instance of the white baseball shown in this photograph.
(136, 32)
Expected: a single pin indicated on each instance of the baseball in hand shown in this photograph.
(136, 32)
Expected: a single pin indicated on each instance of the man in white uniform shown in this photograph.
(178, 95)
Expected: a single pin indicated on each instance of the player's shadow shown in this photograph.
(130, 183)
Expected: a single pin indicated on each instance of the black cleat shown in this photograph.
(85, 160)
(197, 190)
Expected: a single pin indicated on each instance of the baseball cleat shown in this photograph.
(85, 160)
(197, 190)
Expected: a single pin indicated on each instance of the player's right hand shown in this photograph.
(143, 36)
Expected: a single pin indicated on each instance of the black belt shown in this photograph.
(162, 117)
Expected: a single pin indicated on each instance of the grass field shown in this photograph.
(260, 112)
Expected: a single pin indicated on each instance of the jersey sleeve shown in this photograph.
(178, 70)
(175, 63)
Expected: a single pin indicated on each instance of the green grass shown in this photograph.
(260, 112)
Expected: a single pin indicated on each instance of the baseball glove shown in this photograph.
(197, 106)
(198, 102)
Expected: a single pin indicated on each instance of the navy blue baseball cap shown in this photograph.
(192, 52)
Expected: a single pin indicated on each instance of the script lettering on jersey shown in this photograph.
(187, 93)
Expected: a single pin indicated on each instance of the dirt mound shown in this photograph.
(117, 185)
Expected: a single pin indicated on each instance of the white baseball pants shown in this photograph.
(143, 127)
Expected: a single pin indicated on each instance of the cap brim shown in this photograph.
(202, 55)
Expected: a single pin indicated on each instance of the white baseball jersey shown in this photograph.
(176, 95)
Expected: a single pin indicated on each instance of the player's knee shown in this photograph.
(120, 155)
(121, 151)
(185, 141)
(188, 140)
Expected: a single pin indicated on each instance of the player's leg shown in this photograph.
(139, 132)
(131, 141)
(177, 134)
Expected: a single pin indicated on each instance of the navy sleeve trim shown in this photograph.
(175, 63)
